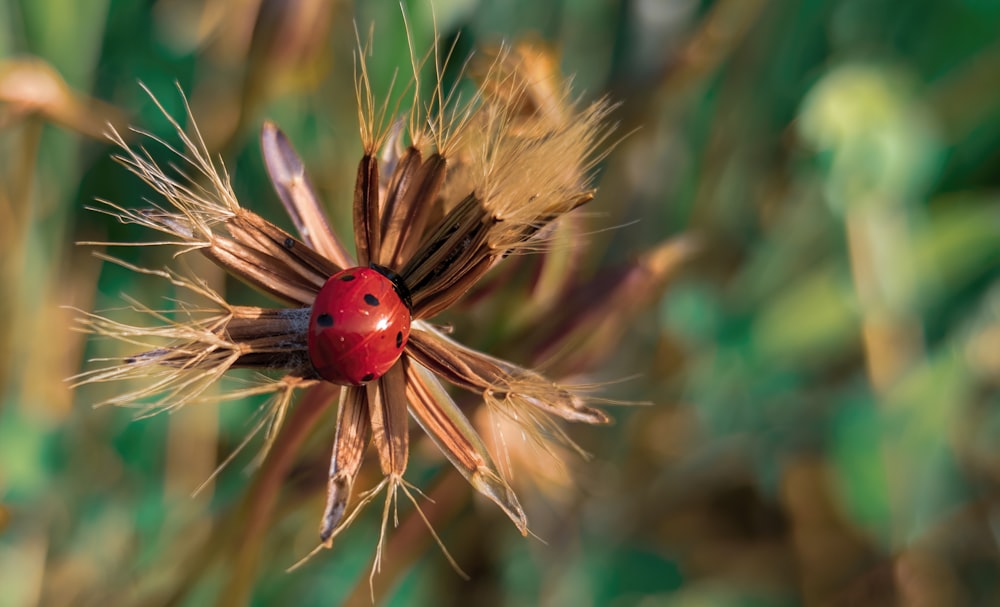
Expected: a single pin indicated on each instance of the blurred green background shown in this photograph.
(824, 418)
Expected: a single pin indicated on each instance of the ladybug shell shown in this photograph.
(358, 327)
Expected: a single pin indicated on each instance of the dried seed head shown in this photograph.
(480, 179)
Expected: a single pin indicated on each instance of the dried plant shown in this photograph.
(442, 196)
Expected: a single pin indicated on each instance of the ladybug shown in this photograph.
(358, 326)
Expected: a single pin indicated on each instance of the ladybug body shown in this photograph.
(358, 327)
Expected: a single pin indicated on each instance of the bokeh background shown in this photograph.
(792, 261)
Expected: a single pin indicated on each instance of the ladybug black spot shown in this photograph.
(368, 377)
(289, 243)
(348, 277)
(324, 320)
(399, 339)
(371, 300)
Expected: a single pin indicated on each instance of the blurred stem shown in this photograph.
(263, 495)
(892, 341)
(892, 338)
(718, 35)
(22, 172)
(15, 228)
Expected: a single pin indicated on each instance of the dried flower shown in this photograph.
(477, 181)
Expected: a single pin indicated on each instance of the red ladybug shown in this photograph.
(358, 327)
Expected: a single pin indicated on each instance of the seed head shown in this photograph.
(444, 192)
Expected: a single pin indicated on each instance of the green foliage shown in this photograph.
(822, 377)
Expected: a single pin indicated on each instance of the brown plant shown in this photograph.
(442, 196)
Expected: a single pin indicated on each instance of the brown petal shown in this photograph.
(450, 289)
(390, 430)
(260, 270)
(479, 372)
(304, 263)
(444, 422)
(367, 227)
(262, 338)
(250, 323)
(270, 338)
(407, 217)
(403, 170)
(288, 175)
(348, 453)
(267, 257)
(454, 248)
